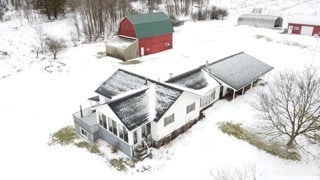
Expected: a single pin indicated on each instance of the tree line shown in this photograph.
(98, 19)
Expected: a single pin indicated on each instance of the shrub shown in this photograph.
(218, 13)
(93, 148)
(64, 136)
(119, 164)
(242, 133)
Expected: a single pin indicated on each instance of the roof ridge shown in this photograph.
(203, 66)
(128, 94)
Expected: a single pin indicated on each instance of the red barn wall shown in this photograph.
(126, 28)
(297, 28)
(155, 44)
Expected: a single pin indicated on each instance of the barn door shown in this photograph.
(306, 30)
(290, 29)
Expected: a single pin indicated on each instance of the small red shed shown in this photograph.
(303, 24)
(153, 31)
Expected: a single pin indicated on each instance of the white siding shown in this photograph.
(180, 116)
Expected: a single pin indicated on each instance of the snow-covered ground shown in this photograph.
(35, 103)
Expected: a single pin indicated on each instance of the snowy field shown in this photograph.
(35, 103)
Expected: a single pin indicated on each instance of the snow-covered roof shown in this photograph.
(259, 16)
(196, 81)
(145, 105)
(120, 42)
(120, 82)
(237, 70)
(305, 19)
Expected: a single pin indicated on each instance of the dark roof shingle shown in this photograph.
(120, 82)
(238, 70)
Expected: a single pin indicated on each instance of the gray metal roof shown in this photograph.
(258, 20)
(259, 16)
(120, 82)
(193, 79)
(238, 70)
(145, 105)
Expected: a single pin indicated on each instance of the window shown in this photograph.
(125, 134)
(135, 137)
(207, 99)
(102, 120)
(120, 131)
(191, 107)
(114, 128)
(168, 120)
(110, 124)
(83, 133)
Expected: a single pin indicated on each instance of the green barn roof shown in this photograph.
(149, 25)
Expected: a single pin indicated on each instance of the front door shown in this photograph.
(290, 29)
(146, 133)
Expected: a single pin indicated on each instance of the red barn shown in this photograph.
(302, 24)
(153, 31)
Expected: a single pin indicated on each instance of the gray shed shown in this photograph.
(123, 48)
(261, 21)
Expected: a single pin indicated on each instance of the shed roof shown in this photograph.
(146, 105)
(120, 42)
(238, 70)
(120, 82)
(149, 25)
(305, 19)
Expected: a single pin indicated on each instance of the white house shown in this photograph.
(132, 112)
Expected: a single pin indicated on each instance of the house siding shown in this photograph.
(126, 28)
(115, 141)
(155, 44)
(181, 118)
(90, 136)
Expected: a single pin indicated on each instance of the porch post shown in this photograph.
(251, 85)
(234, 94)
(242, 90)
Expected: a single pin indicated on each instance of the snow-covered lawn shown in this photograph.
(35, 103)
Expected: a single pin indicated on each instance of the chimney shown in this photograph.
(207, 63)
(170, 74)
(146, 81)
(158, 79)
(81, 115)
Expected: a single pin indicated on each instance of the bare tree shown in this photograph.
(290, 106)
(40, 37)
(55, 45)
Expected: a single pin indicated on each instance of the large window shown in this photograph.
(125, 134)
(169, 119)
(207, 99)
(114, 128)
(191, 107)
(120, 131)
(135, 137)
(103, 120)
(110, 124)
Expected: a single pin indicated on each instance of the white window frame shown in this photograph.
(83, 135)
(168, 120)
(191, 107)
